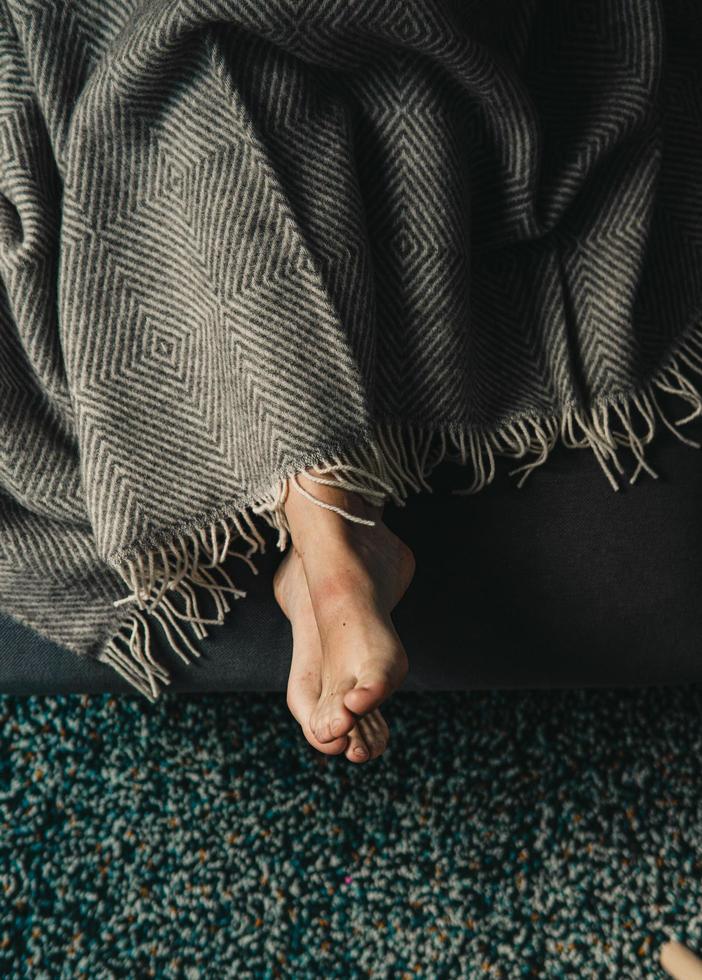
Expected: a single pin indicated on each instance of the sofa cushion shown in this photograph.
(560, 583)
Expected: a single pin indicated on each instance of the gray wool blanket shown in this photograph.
(239, 238)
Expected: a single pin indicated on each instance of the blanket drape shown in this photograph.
(239, 238)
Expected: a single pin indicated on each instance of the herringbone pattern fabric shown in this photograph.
(241, 237)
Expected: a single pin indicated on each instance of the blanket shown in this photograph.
(243, 238)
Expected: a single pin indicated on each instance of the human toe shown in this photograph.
(356, 750)
(331, 718)
(375, 732)
(368, 693)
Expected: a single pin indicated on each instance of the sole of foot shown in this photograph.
(369, 737)
(338, 585)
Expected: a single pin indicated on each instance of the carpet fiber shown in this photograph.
(503, 834)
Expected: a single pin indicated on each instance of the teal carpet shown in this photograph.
(503, 834)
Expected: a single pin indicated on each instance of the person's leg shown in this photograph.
(338, 585)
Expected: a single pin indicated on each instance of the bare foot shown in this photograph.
(369, 737)
(355, 574)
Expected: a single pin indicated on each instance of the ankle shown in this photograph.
(307, 517)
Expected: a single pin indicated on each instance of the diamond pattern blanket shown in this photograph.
(239, 238)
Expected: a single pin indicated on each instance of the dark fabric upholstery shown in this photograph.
(560, 583)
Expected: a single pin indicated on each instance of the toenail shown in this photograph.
(360, 750)
(336, 725)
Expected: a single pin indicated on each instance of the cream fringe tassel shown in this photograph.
(399, 459)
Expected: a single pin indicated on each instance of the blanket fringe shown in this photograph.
(396, 461)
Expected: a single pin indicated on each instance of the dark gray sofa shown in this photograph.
(562, 583)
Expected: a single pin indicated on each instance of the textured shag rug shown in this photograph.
(503, 834)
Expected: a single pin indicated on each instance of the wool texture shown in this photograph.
(241, 238)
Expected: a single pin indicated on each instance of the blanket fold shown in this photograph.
(239, 240)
